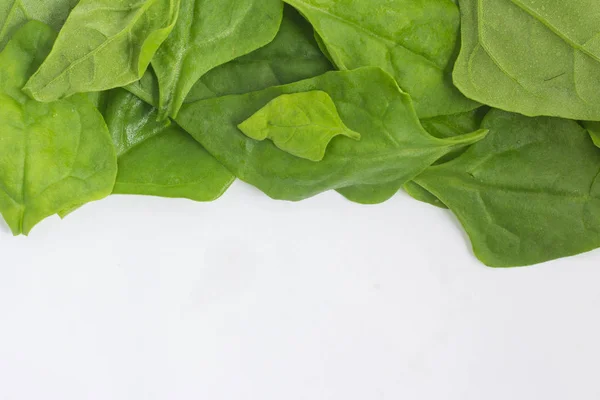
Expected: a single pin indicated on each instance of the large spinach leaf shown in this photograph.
(393, 148)
(104, 44)
(54, 155)
(532, 57)
(443, 127)
(414, 41)
(15, 13)
(210, 33)
(528, 193)
(157, 157)
(292, 56)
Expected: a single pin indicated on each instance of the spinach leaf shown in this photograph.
(418, 192)
(443, 127)
(103, 44)
(393, 148)
(526, 194)
(372, 193)
(446, 126)
(54, 155)
(532, 57)
(210, 33)
(292, 56)
(414, 41)
(302, 124)
(15, 13)
(593, 129)
(157, 157)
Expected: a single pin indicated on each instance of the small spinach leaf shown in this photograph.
(526, 194)
(104, 44)
(301, 124)
(54, 155)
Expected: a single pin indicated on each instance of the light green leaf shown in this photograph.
(593, 129)
(301, 124)
(210, 33)
(104, 44)
(157, 157)
(526, 194)
(421, 194)
(15, 13)
(393, 147)
(532, 57)
(54, 155)
(414, 41)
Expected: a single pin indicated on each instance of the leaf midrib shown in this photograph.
(555, 30)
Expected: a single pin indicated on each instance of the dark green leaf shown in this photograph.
(393, 148)
(526, 194)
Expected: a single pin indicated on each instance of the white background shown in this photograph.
(251, 299)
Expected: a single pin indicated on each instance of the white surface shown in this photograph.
(251, 299)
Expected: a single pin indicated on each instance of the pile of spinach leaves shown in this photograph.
(484, 107)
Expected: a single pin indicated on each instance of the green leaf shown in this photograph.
(15, 13)
(54, 155)
(421, 194)
(210, 33)
(532, 57)
(414, 41)
(157, 157)
(104, 44)
(593, 129)
(446, 126)
(526, 194)
(393, 148)
(301, 124)
(443, 127)
(292, 56)
(372, 194)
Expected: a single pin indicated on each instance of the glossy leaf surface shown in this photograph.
(157, 157)
(104, 44)
(54, 155)
(393, 147)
